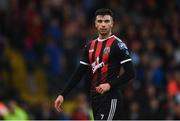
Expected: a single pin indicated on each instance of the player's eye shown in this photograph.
(107, 21)
(99, 21)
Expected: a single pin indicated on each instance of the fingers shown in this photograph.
(58, 102)
(99, 90)
(102, 88)
(59, 109)
(57, 105)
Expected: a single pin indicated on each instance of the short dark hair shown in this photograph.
(104, 11)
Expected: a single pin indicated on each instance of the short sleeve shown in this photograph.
(122, 52)
(84, 59)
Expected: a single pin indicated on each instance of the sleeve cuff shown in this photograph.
(84, 63)
(124, 61)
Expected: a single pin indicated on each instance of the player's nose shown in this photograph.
(103, 24)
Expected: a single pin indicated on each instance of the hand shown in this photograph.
(57, 104)
(102, 88)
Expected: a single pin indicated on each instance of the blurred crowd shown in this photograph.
(41, 42)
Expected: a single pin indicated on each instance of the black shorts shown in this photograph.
(108, 106)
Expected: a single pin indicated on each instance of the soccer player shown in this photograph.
(103, 57)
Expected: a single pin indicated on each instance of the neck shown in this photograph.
(104, 36)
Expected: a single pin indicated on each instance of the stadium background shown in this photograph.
(41, 42)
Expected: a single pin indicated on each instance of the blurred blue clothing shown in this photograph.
(30, 56)
(158, 77)
(135, 58)
(55, 32)
(54, 54)
(140, 73)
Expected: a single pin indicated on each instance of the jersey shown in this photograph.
(105, 58)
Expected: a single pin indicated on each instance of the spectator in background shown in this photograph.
(3, 110)
(142, 69)
(55, 31)
(82, 112)
(72, 43)
(14, 24)
(134, 111)
(30, 53)
(54, 61)
(5, 69)
(154, 110)
(157, 77)
(15, 112)
(173, 87)
(176, 107)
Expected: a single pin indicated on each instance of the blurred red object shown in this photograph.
(3, 109)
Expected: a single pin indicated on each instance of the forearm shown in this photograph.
(123, 79)
(75, 78)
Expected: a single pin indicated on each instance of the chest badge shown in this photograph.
(106, 50)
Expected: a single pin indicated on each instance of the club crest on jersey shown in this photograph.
(106, 50)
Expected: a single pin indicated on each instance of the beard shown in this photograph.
(104, 32)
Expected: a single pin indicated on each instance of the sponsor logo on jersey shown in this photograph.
(92, 50)
(96, 65)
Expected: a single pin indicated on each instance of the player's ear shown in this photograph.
(95, 22)
(112, 22)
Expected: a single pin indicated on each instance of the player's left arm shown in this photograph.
(125, 77)
(122, 54)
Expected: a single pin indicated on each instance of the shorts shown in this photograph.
(108, 106)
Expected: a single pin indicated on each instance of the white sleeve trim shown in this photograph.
(124, 61)
(118, 39)
(84, 63)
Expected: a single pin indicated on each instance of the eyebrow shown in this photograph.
(106, 20)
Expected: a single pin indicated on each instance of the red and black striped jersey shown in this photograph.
(104, 58)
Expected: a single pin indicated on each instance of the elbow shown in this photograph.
(129, 71)
(131, 75)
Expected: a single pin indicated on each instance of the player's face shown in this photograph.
(104, 24)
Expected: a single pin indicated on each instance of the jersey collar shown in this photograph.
(105, 38)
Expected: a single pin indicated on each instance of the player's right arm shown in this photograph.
(73, 81)
(57, 104)
(123, 56)
(75, 78)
